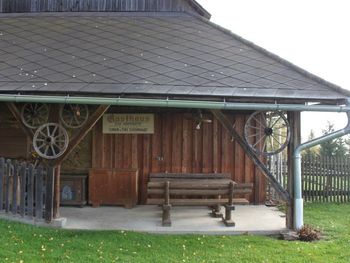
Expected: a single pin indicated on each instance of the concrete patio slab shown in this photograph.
(195, 220)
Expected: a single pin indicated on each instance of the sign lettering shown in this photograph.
(128, 123)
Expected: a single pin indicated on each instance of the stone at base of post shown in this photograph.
(228, 215)
(215, 211)
(166, 221)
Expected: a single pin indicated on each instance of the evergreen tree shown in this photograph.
(328, 148)
(337, 147)
(313, 151)
(341, 150)
(347, 143)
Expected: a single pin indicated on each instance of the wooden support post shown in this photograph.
(50, 174)
(294, 122)
(251, 154)
(57, 195)
(229, 207)
(166, 221)
(215, 211)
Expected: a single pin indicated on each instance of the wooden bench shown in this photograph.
(181, 189)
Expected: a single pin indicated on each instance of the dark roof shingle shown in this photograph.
(148, 53)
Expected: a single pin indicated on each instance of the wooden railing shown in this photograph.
(26, 192)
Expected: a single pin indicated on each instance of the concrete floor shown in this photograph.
(249, 219)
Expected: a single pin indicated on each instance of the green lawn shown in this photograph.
(23, 243)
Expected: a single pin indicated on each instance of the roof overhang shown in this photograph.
(167, 103)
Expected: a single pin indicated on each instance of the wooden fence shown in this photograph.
(26, 192)
(324, 179)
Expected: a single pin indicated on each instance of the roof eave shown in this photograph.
(199, 9)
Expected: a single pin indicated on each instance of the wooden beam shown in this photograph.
(15, 112)
(251, 154)
(83, 131)
(57, 192)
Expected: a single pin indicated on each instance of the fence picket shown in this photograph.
(23, 184)
(307, 178)
(7, 181)
(337, 164)
(348, 179)
(15, 191)
(313, 187)
(39, 193)
(342, 180)
(30, 191)
(324, 183)
(328, 181)
(2, 174)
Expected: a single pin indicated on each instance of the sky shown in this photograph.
(312, 34)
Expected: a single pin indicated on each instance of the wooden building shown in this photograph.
(164, 67)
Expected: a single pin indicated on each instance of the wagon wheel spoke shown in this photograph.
(259, 122)
(277, 141)
(273, 125)
(253, 127)
(253, 135)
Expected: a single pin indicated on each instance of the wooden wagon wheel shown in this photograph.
(267, 133)
(74, 115)
(50, 140)
(34, 114)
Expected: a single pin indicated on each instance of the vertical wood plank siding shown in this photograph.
(177, 146)
(12, 6)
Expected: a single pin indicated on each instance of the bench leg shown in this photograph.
(166, 221)
(215, 211)
(228, 215)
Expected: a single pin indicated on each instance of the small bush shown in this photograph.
(308, 233)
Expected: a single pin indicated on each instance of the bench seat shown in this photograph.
(182, 189)
(197, 201)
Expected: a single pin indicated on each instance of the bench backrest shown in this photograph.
(187, 176)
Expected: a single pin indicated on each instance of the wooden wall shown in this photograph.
(177, 146)
(13, 141)
(79, 161)
(13, 6)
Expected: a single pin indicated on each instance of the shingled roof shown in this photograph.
(148, 54)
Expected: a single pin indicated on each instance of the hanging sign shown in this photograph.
(128, 123)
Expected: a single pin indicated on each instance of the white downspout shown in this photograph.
(298, 198)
